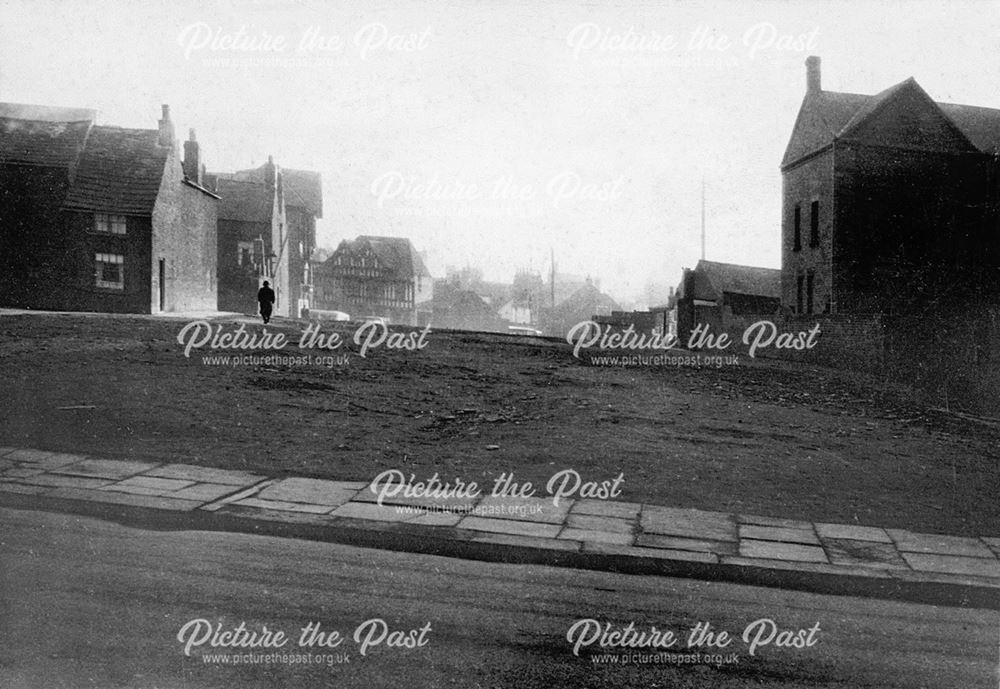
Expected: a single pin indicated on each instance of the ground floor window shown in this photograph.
(110, 271)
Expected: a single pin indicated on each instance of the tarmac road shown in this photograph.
(89, 603)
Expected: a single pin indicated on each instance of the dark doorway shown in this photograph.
(163, 284)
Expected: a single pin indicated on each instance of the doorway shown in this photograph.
(163, 284)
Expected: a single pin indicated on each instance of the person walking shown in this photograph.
(265, 297)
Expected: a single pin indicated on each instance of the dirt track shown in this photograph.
(761, 438)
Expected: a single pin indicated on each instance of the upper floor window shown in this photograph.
(810, 286)
(110, 271)
(797, 246)
(109, 224)
(814, 224)
(799, 282)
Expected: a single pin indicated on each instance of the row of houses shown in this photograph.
(114, 219)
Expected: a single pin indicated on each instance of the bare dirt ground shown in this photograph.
(761, 437)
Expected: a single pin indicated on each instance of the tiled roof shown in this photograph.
(825, 115)
(51, 144)
(120, 170)
(303, 188)
(244, 200)
(712, 279)
(398, 255)
(46, 113)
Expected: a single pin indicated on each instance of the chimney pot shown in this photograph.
(814, 82)
(166, 127)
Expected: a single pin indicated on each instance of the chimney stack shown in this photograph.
(192, 159)
(166, 128)
(814, 83)
(270, 172)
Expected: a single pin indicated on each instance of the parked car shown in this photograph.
(523, 330)
(325, 315)
(381, 320)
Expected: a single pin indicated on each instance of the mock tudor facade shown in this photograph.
(889, 200)
(376, 276)
(98, 218)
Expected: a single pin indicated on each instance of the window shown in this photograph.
(814, 224)
(244, 256)
(810, 280)
(110, 271)
(798, 293)
(797, 246)
(109, 224)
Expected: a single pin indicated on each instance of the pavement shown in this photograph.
(583, 533)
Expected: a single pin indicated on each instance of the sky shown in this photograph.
(497, 134)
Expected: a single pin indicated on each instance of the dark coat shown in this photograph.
(265, 295)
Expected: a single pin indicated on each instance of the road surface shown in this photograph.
(90, 603)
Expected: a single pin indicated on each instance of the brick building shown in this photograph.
(376, 276)
(890, 200)
(717, 293)
(267, 231)
(98, 218)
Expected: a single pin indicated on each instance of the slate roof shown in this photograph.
(712, 279)
(303, 188)
(397, 254)
(46, 113)
(119, 171)
(49, 144)
(826, 115)
(244, 200)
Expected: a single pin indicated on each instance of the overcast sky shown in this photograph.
(490, 133)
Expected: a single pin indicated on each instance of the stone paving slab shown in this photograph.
(753, 519)
(537, 510)
(907, 541)
(591, 536)
(148, 485)
(953, 564)
(655, 553)
(205, 492)
(59, 481)
(190, 472)
(526, 541)
(362, 494)
(283, 506)
(607, 508)
(148, 501)
(510, 526)
(371, 510)
(846, 551)
(850, 531)
(779, 533)
(588, 522)
(690, 523)
(23, 471)
(311, 490)
(770, 550)
(692, 544)
(798, 552)
(105, 468)
(22, 488)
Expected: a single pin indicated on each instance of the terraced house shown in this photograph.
(100, 218)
